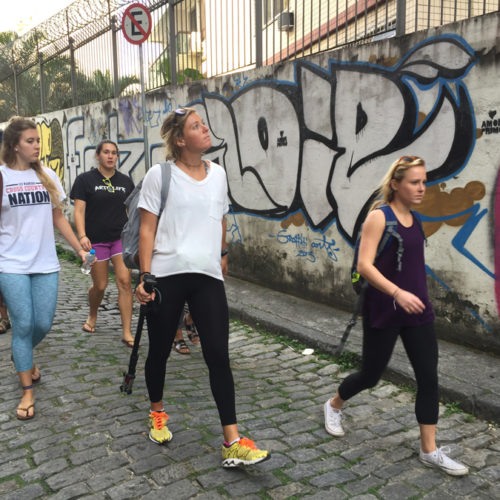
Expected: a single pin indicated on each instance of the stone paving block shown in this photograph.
(393, 470)
(277, 461)
(24, 493)
(51, 454)
(111, 462)
(301, 455)
(108, 479)
(332, 478)
(58, 438)
(13, 455)
(491, 473)
(439, 493)
(180, 490)
(45, 470)
(220, 477)
(170, 474)
(135, 488)
(390, 427)
(188, 451)
(70, 476)
(363, 485)
(298, 426)
(74, 491)
(88, 455)
(331, 494)
(253, 484)
(89, 441)
(29, 435)
(397, 491)
(14, 467)
(272, 402)
(291, 490)
(328, 370)
(147, 464)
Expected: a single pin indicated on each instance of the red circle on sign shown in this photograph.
(132, 28)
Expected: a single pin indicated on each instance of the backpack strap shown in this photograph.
(390, 231)
(1, 191)
(419, 221)
(166, 174)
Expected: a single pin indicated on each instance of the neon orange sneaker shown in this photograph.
(158, 430)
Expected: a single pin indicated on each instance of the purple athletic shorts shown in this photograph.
(104, 251)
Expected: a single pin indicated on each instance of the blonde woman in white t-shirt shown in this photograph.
(29, 269)
(185, 248)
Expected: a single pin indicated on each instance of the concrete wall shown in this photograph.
(305, 144)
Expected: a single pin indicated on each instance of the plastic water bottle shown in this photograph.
(89, 258)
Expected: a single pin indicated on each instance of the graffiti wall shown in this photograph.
(305, 145)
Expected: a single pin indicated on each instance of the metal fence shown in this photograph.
(80, 55)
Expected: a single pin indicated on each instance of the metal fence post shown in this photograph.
(74, 96)
(258, 33)
(42, 83)
(172, 51)
(114, 29)
(400, 17)
(16, 90)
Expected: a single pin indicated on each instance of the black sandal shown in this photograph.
(192, 333)
(180, 346)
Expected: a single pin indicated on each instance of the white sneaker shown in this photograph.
(333, 420)
(440, 460)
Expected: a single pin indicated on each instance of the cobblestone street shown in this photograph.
(89, 440)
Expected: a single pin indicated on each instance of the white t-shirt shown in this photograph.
(27, 243)
(189, 234)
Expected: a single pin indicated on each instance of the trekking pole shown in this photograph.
(128, 377)
(350, 324)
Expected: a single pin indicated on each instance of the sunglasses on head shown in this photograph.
(408, 159)
(179, 112)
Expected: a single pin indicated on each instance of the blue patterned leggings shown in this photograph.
(31, 301)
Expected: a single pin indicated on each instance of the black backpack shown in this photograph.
(130, 232)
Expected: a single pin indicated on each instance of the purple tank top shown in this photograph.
(378, 307)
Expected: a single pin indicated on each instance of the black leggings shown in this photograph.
(207, 302)
(421, 347)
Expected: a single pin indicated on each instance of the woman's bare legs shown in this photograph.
(123, 277)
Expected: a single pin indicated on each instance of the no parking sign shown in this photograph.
(136, 23)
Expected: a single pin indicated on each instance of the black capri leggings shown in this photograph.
(421, 346)
(207, 302)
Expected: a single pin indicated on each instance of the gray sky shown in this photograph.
(21, 15)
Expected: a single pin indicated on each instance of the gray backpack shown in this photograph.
(130, 232)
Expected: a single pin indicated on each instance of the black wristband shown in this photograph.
(224, 252)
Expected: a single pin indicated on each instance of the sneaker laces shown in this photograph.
(335, 416)
(442, 453)
(160, 418)
(247, 443)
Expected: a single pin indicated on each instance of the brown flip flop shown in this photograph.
(87, 328)
(128, 343)
(27, 416)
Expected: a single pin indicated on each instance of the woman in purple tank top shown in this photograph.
(396, 303)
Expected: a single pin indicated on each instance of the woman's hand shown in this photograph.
(224, 265)
(408, 301)
(82, 254)
(142, 296)
(86, 244)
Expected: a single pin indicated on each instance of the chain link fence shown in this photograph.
(80, 55)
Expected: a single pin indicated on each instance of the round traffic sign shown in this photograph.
(136, 23)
